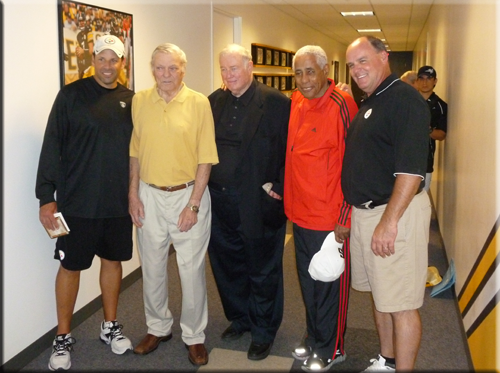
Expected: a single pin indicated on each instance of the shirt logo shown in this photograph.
(61, 254)
(368, 113)
(123, 104)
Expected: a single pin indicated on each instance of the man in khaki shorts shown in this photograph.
(382, 175)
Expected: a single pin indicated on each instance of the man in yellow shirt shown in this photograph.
(172, 151)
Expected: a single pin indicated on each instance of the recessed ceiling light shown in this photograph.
(357, 14)
(370, 30)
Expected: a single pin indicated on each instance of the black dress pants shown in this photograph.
(248, 271)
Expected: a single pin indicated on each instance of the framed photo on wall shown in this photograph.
(283, 83)
(260, 56)
(276, 59)
(276, 81)
(80, 25)
(336, 72)
(269, 56)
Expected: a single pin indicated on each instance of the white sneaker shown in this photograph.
(302, 352)
(316, 364)
(379, 365)
(111, 333)
(60, 359)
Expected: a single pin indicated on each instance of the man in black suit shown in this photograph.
(246, 189)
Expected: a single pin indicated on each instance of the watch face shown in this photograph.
(195, 208)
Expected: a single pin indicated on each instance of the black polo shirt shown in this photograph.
(229, 135)
(388, 135)
(439, 121)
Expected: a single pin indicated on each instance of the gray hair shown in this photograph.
(169, 48)
(316, 51)
(410, 75)
(237, 49)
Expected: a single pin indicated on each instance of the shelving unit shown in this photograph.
(267, 58)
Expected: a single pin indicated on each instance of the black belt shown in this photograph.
(172, 188)
(371, 204)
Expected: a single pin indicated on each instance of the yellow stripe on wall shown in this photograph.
(483, 344)
(479, 273)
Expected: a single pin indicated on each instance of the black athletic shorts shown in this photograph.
(108, 238)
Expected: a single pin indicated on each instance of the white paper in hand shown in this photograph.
(328, 263)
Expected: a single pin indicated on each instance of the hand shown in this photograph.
(136, 210)
(341, 233)
(187, 219)
(79, 52)
(46, 215)
(345, 87)
(383, 239)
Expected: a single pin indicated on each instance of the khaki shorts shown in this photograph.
(397, 282)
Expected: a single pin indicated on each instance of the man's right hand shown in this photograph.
(46, 215)
(136, 210)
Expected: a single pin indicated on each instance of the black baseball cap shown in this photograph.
(427, 70)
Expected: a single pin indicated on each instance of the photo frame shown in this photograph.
(276, 81)
(260, 56)
(269, 56)
(276, 59)
(283, 83)
(336, 66)
(269, 81)
(283, 59)
(80, 25)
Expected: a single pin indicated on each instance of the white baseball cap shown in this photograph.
(328, 263)
(109, 42)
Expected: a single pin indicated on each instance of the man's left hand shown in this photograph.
(187, 219)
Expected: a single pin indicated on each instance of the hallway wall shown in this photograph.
(31, 82)
(461, 42)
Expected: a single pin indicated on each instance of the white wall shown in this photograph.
(263, 24)
(31, 82)
(461, 41)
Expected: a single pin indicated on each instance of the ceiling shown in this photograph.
(401, 21)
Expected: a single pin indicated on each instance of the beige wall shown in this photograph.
(460, 41)
(31, 82)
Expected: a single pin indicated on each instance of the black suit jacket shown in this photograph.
(262, 156)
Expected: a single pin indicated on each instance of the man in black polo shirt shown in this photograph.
(382, 173)
(426, 81)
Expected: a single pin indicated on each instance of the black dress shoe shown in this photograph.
(259, 351)
(231, 334)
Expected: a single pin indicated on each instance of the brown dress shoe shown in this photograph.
(150, 343)
(198, 354)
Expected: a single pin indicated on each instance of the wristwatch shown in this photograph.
(193, 207)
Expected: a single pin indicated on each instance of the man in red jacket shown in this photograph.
(319, 118)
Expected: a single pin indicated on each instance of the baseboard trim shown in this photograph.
(36, 348)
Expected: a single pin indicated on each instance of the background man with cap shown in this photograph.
(84, 158)
(427, 80)
(171, 155)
